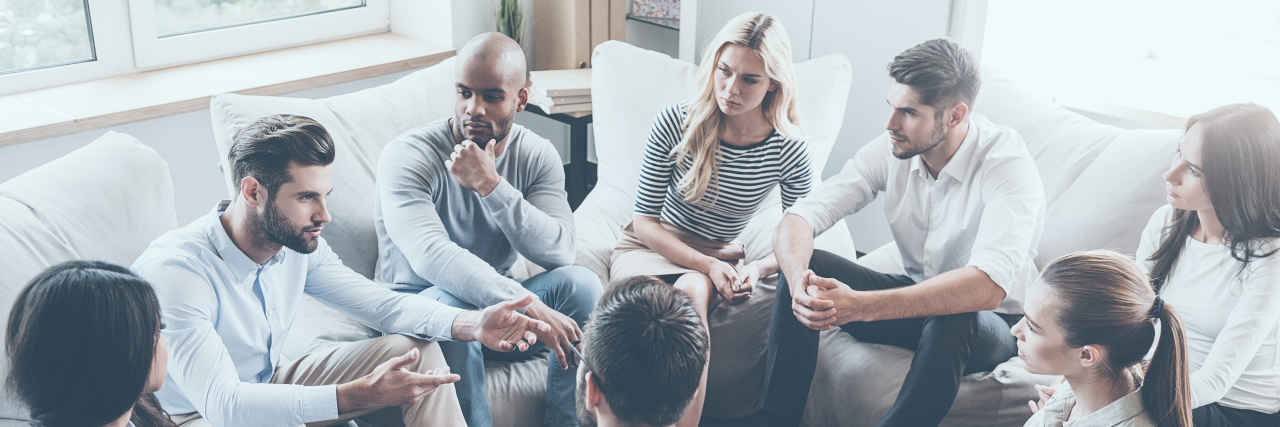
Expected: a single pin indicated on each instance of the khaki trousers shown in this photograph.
(351, 361)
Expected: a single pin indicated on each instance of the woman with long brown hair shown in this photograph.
(85, 348)
(1092, 317)
(710, 164)
(1213, 252)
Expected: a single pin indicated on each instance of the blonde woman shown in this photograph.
(710, 163)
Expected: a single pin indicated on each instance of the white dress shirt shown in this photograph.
(985, 209)
(227, 319)
(1232, 320)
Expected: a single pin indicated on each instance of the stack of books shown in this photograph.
(561, 91)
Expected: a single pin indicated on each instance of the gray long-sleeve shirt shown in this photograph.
(434, 232)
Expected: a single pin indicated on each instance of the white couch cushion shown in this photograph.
(105, 201)
(1102, 183)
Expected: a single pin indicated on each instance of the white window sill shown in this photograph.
(97, 104)
(1164, 94)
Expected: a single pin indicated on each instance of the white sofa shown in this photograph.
(104, 201)
(1102, 184)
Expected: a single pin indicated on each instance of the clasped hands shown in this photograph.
(821, 303)
(734, 285)
(474, 167)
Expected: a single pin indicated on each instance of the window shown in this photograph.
(174, 32)
(1175, 57)
(42, 34)
(45, 43)
(178, 17)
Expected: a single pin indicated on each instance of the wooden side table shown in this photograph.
(580, 177)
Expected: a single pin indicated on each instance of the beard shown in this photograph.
(497, 131)
(585, 417)
(279, 230)
(939, 133)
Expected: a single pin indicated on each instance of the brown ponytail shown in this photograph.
(1166, 390)
(1105, 300)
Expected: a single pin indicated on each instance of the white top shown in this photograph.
(227, 320)
(1232, 320)
(985, 209)
(1128, 411)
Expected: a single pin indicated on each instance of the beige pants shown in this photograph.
(348, 362)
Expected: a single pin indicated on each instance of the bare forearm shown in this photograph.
(768, 265)
(793, 246)
(465, 326)
(651, 233)
(963, 290)
(352, 396)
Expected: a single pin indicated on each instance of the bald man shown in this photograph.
(458, 200)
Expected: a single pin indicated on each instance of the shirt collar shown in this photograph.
(1115, 413)
(239, 263)
(961, 162)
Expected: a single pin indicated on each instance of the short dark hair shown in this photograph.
(80, 341)
(265, 148)
(941, 71)
(647, 348)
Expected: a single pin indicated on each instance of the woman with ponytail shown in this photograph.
(1092, 317)
(85, 348)
(710, 163)
(1213, 252)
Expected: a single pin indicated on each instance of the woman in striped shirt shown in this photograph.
(710, 163)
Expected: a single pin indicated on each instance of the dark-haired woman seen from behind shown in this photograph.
(1212, 251)
(1092, 317)
(85, 348)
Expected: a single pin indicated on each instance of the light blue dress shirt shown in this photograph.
(227, 318)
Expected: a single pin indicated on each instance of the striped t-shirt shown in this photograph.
(746, 175)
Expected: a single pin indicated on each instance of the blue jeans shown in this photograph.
(572, 291)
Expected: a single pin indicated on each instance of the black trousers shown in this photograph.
(946, 349)
(1215, 415)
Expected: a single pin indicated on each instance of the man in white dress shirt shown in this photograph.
(966, 207)
(231, 282)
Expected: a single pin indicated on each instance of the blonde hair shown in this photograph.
(762, 33)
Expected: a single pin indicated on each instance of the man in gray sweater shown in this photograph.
(460, 198)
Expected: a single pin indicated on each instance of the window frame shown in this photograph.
(109, 30)
(151, 51)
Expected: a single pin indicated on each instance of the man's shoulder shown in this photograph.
(434, 136)
(185, 246)
(998, 140)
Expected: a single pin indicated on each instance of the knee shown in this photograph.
(963, 326)
(580, 287)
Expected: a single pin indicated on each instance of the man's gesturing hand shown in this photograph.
(502, 328)
(390, 384)
(560, 337)
(474, 167)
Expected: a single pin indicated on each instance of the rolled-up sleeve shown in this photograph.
(862, 178)
(1013, 213)
(201, 368)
